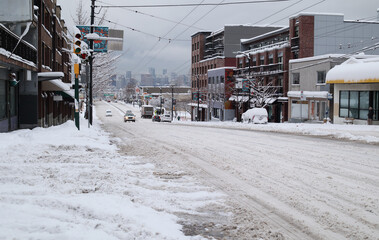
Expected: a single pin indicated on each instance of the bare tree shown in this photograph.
(262, 92)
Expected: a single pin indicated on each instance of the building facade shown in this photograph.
(212, 50)
(55, 99)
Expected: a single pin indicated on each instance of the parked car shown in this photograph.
(129, 117)
(156, 118)
(166, 117)
(255, 115)
(108, 113)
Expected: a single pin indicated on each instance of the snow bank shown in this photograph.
(61, 183)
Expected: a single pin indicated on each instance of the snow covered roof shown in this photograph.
(281, 30)
(355, 70)
(308, 94)
(320, 57)
(55, 85)
(316, 14)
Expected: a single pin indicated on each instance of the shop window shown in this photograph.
(296, 78)
(3, 105)
(355, 104)
(321, 75)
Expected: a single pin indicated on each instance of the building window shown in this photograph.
(321, 75)
(262, 60)
(296, 34)
(254, 61)
(271, 59)
(355, 104)
(295, 78)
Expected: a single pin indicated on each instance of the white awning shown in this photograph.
(200, 105)
(308, 94)
(55, 85)
(270, 101)
(46, 76)
(239, 98)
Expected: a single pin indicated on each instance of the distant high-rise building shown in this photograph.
(164, 71)
(152, 71)
(128, 74)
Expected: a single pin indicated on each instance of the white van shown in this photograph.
(255, 115)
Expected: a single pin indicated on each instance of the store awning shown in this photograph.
(55, 85)
(239, 98)
(355, 71)
(308, 94)
(69, 93)
(46, 76)
(200, 105)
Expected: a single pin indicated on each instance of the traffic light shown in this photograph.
(77, 42)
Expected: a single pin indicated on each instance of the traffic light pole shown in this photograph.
(90, 115)
(76, 114)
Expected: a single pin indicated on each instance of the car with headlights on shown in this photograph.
(129, 117)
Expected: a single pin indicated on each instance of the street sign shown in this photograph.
(99, 45)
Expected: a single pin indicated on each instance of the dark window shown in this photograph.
(3, 105)
(321, 75)
(295, 78)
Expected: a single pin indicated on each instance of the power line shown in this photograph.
(192, 4)
(143, 58)
(153, 16)
(186, 30)
(278, 11)
(148, 34)
(300, 11)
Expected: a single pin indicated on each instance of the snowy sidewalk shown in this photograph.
(362, 133)
(61, 183)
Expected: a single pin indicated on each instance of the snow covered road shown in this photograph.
(298, 187)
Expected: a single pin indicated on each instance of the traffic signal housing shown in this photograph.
(77, 43)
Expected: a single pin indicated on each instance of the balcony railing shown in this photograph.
(9, 40)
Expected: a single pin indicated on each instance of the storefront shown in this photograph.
(356, 88)
(308, 106)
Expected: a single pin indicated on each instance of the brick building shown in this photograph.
(55, 99)
(269, 55)
(212, 50)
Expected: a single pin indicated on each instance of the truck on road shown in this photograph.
(147, 111)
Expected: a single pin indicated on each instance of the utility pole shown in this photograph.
(198, 98)
(172, 102)
(90, 117)
(160, 108)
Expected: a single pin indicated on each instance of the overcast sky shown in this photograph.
(148, 45)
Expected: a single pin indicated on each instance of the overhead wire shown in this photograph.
(153, 16)
(184, 31)
(192, 4)
(189, 13)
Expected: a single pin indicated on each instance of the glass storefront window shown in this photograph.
(344, 99)
(364, 100)
(353, 99)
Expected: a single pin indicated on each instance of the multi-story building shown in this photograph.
(18, 72)
(308, 35)
(55, 100)
(214, 50)
(265, 58)
(315, 34)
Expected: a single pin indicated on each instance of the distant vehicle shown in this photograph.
(108, 113)
(255, 115)
(166, 117)
(156, 118)
(147, 111)
(129, 117)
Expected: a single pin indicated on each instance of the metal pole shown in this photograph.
(198, 99)
(172, 103)
(76, 115)
(91, 64)
(160, 108)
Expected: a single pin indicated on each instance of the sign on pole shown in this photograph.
(99, 45)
